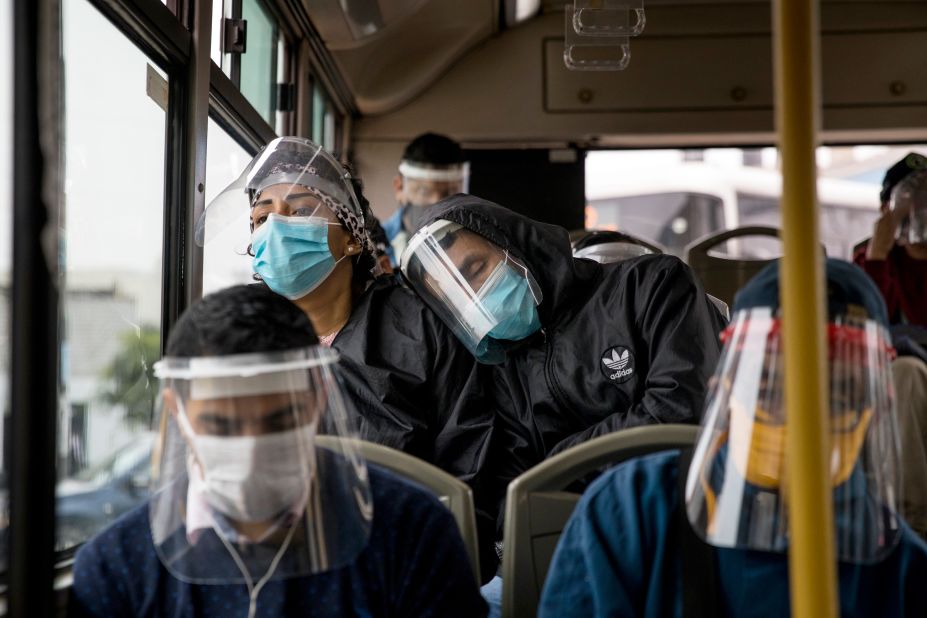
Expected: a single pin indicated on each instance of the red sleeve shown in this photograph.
(882, 272)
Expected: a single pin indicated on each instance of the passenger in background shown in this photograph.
(896, 255)
(582, 349)
(250, 513)
(642, 542)
(416, 387)
(432, 168)
(896, 259)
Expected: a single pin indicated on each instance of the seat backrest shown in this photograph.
(722, 276)
(538, 506)
(590, 238)
(452, 492)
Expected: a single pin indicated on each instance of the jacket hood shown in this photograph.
(542, 247)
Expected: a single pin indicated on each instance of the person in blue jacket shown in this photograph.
(657, 536)
(253, 512)
(432, 168)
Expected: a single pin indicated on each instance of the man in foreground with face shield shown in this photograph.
(250, 514)
(432, 168)
(659, 536)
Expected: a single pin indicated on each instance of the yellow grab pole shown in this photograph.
(812, 570)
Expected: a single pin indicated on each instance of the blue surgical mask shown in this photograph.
(507, 297)
(291, 254)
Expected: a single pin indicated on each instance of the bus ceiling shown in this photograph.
(492, 72)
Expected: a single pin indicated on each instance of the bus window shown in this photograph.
(321, 110)
(259, 62)
(672, 219)
(676, 196)
(6, 237)
(111, 252)
(215, 41)
(225, 258)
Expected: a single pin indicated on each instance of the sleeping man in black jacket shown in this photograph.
(582, 349)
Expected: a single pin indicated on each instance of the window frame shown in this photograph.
(169, 36)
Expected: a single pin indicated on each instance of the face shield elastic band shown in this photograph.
(451, 173)
(257, 167)
(241, 365)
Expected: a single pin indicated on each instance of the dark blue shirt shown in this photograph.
(615, 558)
(414, 565)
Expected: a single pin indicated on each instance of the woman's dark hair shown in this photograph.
(240, 320)
(364, 262)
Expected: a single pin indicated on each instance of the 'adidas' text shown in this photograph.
(621, 373)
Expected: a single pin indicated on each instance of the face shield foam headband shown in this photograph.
(450, 173)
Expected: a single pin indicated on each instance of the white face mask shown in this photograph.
(253, 478)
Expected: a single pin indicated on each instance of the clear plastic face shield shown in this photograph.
(484, 294)
(908, 204)
(424, 185)
(608, 252)
(291, 176)
(297, 203)
(735, 490)
(242, 492)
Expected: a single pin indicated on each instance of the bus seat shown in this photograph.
(453, 493)
(721, 306)
(722, 276)
(538, 505)
(586, 238)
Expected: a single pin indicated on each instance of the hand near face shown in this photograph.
(883, 237)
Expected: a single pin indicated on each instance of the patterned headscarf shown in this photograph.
(295, 173)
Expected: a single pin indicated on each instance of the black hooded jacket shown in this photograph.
(621, 345)
(419, 390)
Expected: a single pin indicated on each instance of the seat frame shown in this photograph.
(452, 492)
(538, 506)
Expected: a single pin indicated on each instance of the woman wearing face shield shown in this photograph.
(250, 514)
(416, 388)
